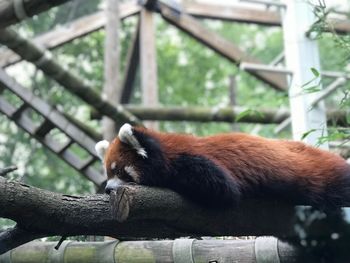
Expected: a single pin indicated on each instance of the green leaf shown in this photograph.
(248, 112)
(316, 76)
(312, 89)
(315, 72)
(307, 133)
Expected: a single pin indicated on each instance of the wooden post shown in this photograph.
(233, 97)
(112, 89)
(132, 65)
(148, 62)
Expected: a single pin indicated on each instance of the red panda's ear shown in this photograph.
(126, 135)
(101, 148)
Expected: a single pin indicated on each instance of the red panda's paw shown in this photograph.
(126, 135)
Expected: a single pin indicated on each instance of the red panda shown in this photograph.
(222, 169)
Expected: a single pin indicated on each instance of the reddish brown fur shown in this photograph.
(243, 156)
(287, 159)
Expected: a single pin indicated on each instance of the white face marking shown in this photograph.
(113, 165)
(101, 148)
(125, 135)
(133, 173)
(114, 183)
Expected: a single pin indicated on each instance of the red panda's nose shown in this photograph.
(108, 190)
(113, 184)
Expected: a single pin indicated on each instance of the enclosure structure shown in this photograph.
(307, 111)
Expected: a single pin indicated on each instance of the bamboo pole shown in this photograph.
(165, 251)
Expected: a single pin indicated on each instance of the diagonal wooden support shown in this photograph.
(44, 61)
(71, 31)
(52, 119)
(219, 44)
(69, 157)
(49, 113)
(133, 57)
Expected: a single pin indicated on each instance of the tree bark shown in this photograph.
(134, 212)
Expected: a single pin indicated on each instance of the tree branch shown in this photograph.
(16, 236)
(6, 170)
(134, 212)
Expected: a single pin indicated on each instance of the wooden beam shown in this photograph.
(43, 60)
(233, 97)
(132, 63)
(148, 61)
(219, 44)
(233, 13)
(12, 11)
(112, 88)
(150, 212)
(250, 15)
(71, 31)
(224, 114)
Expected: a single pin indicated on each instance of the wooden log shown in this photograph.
(27, 8)
(165, 251)
(41, 58)
(223, 114)
(139, 212)
(71, 31)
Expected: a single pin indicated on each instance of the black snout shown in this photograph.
(108, 190)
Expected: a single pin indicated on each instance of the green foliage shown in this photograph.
(329, 39)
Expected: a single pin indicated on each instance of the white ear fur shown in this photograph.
(101, 148)
(126, 135)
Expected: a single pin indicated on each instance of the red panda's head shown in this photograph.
(126, 158)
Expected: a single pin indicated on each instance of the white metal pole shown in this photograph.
(301, 54)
